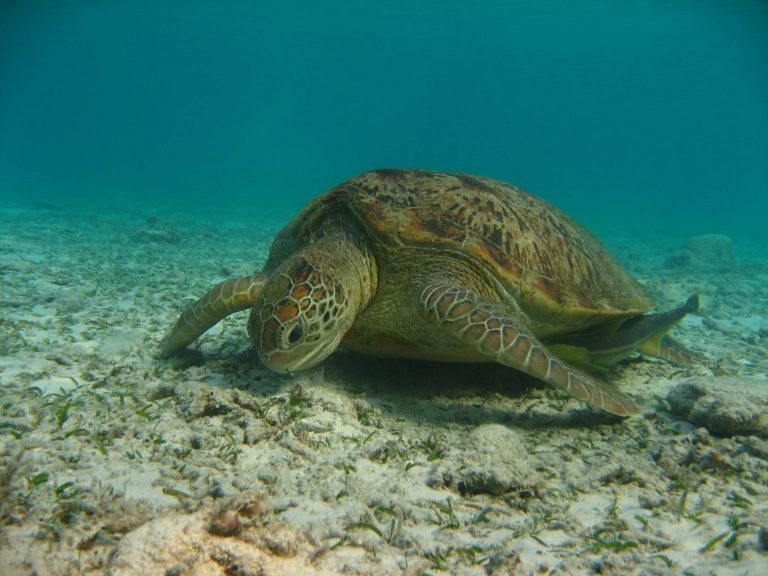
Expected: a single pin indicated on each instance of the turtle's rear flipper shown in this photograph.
(670, 350)
(613, 342)
(648, 335)
(224, 299)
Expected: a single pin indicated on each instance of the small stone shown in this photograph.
(226, 524)
(651, 501)
(725, 406)
(705, 252)
(493, 460)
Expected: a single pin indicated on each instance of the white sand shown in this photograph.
(359, 466)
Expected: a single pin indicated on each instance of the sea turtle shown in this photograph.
(448, 267)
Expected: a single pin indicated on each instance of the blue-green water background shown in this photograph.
(638, 114)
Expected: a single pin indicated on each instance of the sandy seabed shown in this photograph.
(114, 462)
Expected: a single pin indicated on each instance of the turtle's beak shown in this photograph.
(286, 362)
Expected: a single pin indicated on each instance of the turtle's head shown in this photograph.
(301, 315)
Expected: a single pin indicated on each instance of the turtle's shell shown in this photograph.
(545, 260)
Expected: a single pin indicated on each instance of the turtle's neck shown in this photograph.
(342, 253)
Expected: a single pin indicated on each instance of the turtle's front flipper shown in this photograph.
(224, 299)
(499, 335)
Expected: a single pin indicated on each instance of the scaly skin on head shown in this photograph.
(311, 301)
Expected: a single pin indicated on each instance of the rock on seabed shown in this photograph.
(726, 406)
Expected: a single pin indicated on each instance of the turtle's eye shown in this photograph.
(296, 333)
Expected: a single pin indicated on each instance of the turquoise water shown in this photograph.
(630, 114)
(150, 149)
